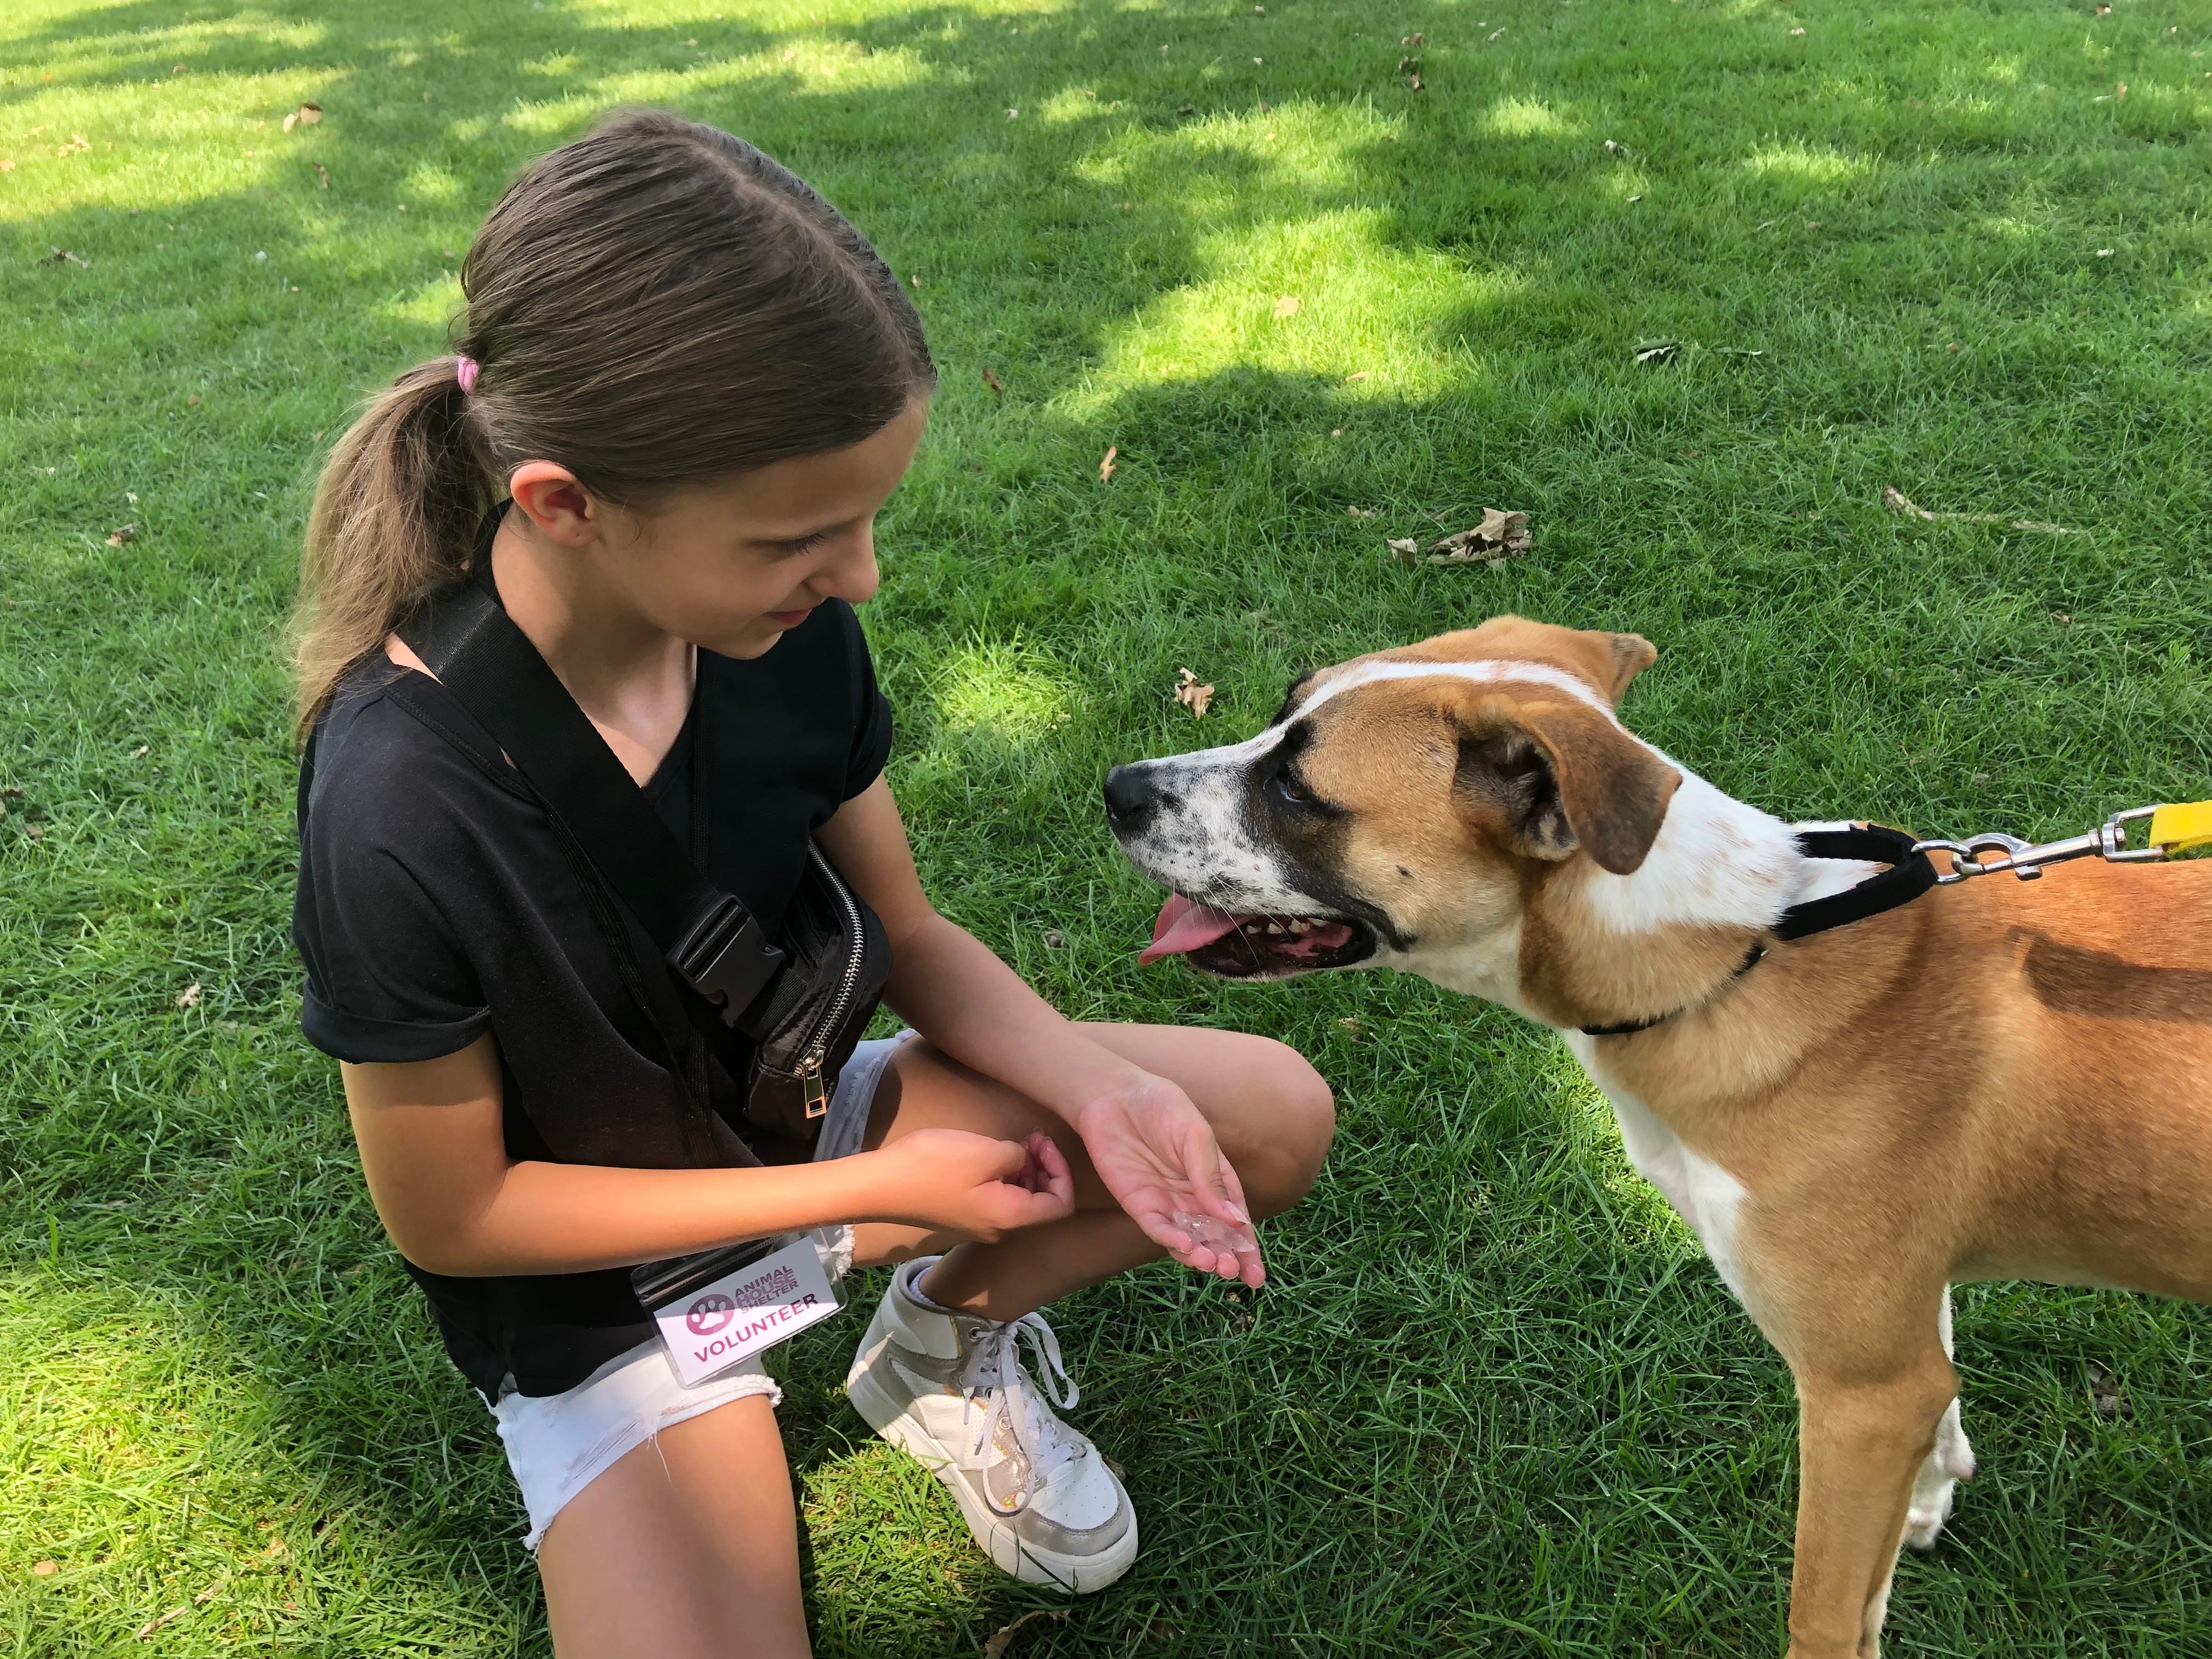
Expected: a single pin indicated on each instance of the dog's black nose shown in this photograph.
(1129, 799)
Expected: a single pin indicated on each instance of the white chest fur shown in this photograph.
(1703, 1194)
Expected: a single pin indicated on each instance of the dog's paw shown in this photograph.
(1937, 1483)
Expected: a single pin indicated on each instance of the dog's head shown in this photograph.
(1401, 807)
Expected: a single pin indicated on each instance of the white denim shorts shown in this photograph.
(559, 1443)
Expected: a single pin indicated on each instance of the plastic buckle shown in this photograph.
(725, 959)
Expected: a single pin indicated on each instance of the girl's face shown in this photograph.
(732, 566)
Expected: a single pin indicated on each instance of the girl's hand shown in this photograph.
(949, 1180)
(1157, 1155)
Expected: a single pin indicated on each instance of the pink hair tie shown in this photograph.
(464, 371)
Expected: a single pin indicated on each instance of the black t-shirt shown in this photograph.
(436, 903)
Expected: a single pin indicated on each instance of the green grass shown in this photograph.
(1494, 1400)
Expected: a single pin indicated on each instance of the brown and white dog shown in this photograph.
(2000, 1080)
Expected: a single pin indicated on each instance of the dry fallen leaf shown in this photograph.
(1412, 39)
(192, 400)
(1106, 464)
(1501, 535)
(1797, 31)
(1895, 500)
(1013, 115)
(121, 534)
(142, 752)
(1054, 939)
(1004, 1638)
(45, 1569)
(321, 173)
(1634, 199)
(1356, 374)
(7, 164)
(1494, 34)
(1193, 694)
(62, 256)
(992, 380)
(1362, 512)
(190, 996)
(1414, 83)
(2121, 96)
(1658, 352)
(1287, 306)
(1357, 1028)
(2104, 1395)
(1614, 147)
(2102, 11)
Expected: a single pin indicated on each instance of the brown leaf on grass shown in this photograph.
(1287, 306)
(305, 116)
(192, 400)
(1003, 1637)
(1895, 500)
(7, 164)
(1357, 1028)
(1615, 147)
(77, 144)
(992, 380)
(2105, 1396)
(45, 1569)
(1193, 694)
(321, 173)
(1412, 39)
(2121, 96)
(121, 534)
(2102, 11)
(1356, 374)
(190, 996)
(62, 256)
(1658, 352)
(153, 1625)
(1414, 83)
(1501, 535)
(1404, 549)
(1106, 464)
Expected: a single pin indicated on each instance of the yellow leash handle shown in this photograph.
(2176, 829)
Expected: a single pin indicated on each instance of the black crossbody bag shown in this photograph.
(803, 1000)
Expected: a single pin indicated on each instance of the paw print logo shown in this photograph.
(710, 1314)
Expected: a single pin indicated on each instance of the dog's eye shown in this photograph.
(1289, 790)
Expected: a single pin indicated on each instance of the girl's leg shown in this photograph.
(686, 1548)
(1270, 1110)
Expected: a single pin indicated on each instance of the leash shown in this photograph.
(2173, 829)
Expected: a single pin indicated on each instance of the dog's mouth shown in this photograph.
(1255, 946)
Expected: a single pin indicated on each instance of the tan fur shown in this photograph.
(2001, 1079)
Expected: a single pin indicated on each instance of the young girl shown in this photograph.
(686, 387)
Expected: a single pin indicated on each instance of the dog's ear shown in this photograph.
(1563, 778)
(1631, 654)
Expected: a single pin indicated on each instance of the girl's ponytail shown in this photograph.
(654, 305)
(394, 516)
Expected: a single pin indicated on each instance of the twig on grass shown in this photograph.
(1894, 498)
(997, 1646)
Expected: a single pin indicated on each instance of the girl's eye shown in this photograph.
(804, 544)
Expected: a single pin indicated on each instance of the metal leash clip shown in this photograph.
(2173, 829)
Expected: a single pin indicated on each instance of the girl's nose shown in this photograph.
(849, 574)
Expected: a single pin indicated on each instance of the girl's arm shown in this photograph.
(1152, 1147)
(454, 1203)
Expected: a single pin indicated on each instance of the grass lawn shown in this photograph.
(1494, 1401)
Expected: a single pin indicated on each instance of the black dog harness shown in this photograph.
(1910, 874)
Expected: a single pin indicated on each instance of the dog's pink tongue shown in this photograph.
(1184, 926)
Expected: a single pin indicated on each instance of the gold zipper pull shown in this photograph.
(810, 1080)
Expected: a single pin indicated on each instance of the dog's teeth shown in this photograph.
(1301, 926)
(1275, 926)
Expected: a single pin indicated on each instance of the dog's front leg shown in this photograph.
(1861, 1441)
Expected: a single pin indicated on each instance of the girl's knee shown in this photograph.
(1289, 1129)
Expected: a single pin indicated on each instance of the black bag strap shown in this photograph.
(466, 638)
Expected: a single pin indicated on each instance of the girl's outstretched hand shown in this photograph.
(1157, 1154)
(976, 1186)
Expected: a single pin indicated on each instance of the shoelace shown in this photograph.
(1035, 1430)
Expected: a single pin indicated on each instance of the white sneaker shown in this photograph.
(951, 1389)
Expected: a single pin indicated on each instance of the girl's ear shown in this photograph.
(550, 497)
